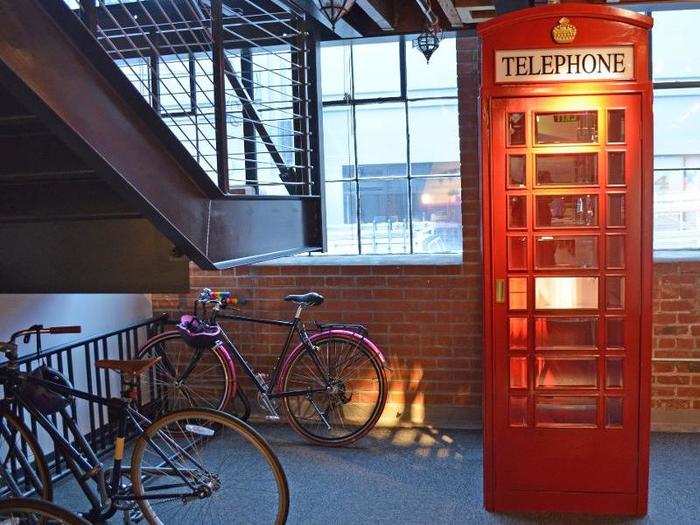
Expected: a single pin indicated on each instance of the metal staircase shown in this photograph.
(120, 163)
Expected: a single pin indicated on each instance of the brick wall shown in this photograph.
(428, 318)
(676, 343)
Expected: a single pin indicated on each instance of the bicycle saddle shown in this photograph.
(129, 367)
(196, 333)
(307, 299)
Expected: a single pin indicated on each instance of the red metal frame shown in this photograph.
(597, 26)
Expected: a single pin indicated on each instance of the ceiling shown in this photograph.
(381, 17)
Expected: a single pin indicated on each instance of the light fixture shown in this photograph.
(335, 9)
(428, 41)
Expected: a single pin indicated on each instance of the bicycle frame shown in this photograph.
(295, 326)
(90, 467)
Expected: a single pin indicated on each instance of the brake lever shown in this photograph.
(32, 329)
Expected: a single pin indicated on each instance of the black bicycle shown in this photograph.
(332, 381)
(188, 466)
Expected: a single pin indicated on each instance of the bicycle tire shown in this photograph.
(219, 377)
(209, 419)
(44, 510)
(298, 423)
(41, 468)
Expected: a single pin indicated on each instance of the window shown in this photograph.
(391, 148)
(676, 73)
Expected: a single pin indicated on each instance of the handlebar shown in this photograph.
(41, 329)
(219, 298)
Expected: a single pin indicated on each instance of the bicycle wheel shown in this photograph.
(357, 397)
(23, 471)
(26, 511)
(210, 380)
(204, 466)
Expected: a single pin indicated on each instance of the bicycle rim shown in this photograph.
(22, 460)
(354, 405)
(36, 512)
(217, 466)
(210, 383)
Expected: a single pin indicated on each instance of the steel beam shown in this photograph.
(380, 11)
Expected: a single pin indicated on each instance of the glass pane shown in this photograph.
(517, 293)
(677, 199)
(384, 216)
(613, 412)
(616, 167)
(566, 333)
(615, 329)
(174, 85)
(616, 125)
(437, 78)
(336, 77)
(516, 129)
(566, 411)
(437, 214)
(616, 209)
(517, 332)
(563, 293)
(566, 127)
(426, 158)
(615, 250)
(338, 147)
(381, 140)
(566, 211)
(613, 372)
(566, 372)
(341, 217)
(567, 169)
(580, 251)
(518, 372)
(615, 292)
(517, 212)
(518, 411)
(516, 170)
(672, 33)
(376, 69)
(517, 253)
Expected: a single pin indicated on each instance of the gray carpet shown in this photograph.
(433, 476)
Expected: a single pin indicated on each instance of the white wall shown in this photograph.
(96, 313)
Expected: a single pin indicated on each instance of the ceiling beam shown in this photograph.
(451, 13)
(380, 11)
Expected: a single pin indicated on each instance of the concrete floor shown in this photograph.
(433, 476)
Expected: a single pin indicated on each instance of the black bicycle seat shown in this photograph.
(307, 299)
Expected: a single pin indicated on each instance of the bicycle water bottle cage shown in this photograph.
(196, 333)
(46, 401)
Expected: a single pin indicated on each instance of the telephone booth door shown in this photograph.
(567, 213)
(566, 162)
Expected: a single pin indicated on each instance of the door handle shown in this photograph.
(500, 290)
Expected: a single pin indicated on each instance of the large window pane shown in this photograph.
(341, 217)
(434, 131)
(336, 72)
(376, 69)
(384, 216)
(674, 55)
(437, 78)
(436, 214)
(338, 143)
(381, 140)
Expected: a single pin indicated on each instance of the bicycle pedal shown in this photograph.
(274, 417)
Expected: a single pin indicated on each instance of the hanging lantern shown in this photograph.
(335, 9)
(428, 41)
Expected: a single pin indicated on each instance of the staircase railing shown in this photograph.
(231, 81)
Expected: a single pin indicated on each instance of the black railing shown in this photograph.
(77, 362)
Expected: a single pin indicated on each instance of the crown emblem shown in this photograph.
(564, 32)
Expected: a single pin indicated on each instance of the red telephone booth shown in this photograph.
(567, 211)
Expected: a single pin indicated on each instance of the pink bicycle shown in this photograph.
(332, 382)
